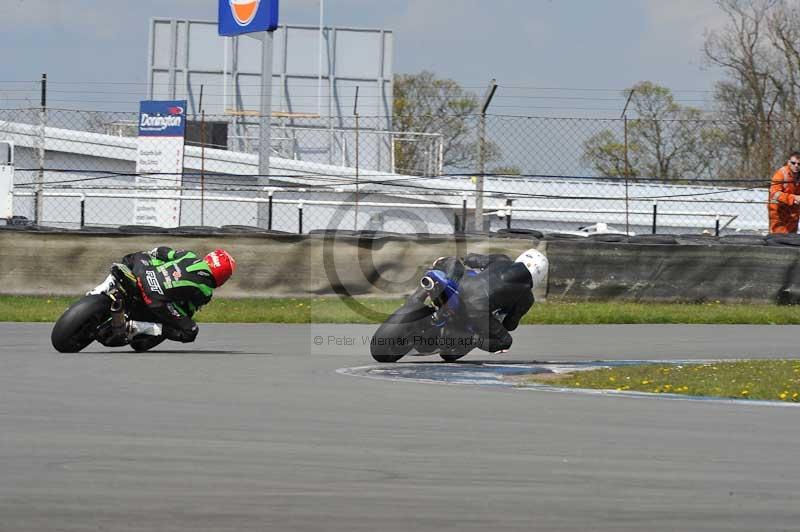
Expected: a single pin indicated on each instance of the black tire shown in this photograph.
(393, 339)
(451, 357)
(144, 343)
(653, 239)
(75, 329)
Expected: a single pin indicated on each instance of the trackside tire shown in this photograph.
(75, 329)
(393, 339)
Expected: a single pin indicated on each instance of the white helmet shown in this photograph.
(537, 265)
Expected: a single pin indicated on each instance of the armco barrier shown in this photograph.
(699, 268)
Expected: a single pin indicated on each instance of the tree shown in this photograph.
(666, 140)
(742, 49)
(424, 103)
(759, 50)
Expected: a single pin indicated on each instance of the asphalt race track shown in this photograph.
(252, 428)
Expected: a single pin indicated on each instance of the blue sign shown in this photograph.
(247, 16)
(160, 118)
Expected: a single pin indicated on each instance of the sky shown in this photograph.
(536, 49)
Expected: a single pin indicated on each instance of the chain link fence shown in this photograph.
(78, 169)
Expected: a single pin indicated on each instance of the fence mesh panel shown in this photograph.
(550, 174)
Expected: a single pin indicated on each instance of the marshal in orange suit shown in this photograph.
(784, 197)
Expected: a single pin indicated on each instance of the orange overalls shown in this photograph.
(783, 213)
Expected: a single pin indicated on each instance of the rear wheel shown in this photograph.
(76, 328)
(394, 338)
(451, 357)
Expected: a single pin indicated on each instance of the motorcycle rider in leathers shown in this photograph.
(174, 284)
(502, 285)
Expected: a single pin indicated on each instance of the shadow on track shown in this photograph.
(181, 352)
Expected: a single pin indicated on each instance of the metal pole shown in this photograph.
(300, 218)
(627, 174)
(355, 112)
(83, 212)
(202, 159)
(39, 198)
(716, 231)
(627, 163)
(269, 215)
(509, 203)
(464, 214)
(655, 216)
(487, 99)
(319, 59)
(264, 136)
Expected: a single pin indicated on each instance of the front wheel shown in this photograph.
(394, 338)
(75, 329)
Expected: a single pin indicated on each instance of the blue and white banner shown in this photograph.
(159, 161)
(162, 118)
(247, 16)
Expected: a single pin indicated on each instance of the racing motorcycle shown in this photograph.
(428, 323)
(114, 318)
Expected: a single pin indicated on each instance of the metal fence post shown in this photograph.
(83, 210)
(509, 204)
(39, 197)
(300, 217)
(464, 212)
(479, 183)
(655, 215)
(269, 211)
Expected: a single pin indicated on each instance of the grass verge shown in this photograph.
(772, 380)
(337, 310)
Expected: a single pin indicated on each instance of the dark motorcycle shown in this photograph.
(428, 323)
(109, 318)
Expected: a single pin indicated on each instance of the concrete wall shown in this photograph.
(582, 270)
(66, 263)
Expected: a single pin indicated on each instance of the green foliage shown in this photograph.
(772, 380)
(424, 103)
(665, 140)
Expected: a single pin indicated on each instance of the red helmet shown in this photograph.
(221, 264)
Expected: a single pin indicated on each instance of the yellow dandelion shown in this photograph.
(783, 395)
(645, 382)
(745, 392)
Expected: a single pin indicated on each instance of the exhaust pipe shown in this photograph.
(427, 283)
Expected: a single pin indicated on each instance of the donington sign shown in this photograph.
(159, 161)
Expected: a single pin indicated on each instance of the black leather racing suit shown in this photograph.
(174, 284)
(502, 284)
